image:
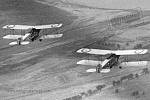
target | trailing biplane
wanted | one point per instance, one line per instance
(112, 60)
(33, 34)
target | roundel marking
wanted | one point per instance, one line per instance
(138, 51)
(10, 26)
(55, 25)
(85, 50)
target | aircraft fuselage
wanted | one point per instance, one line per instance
(34, 34)
(110, 61)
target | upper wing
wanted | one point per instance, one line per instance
(25, 27)
(130, 52)
(21, 27)
(94, 51)
(48, 26)
(13, 36)
(117, 52)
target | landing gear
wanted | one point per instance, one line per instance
(120, 67)
(19, 41)
(98, 68)
(32, 39)
(110, 67)
(40, 40)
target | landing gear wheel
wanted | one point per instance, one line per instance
(40, 40)
(32, 40)
(120, 67)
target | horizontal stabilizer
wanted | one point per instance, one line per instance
(89, 62)
(51, 36)
(117, 52)
(104, 70)
(13, 43)
(101, 71)
(25, 42)
(22, 43)
(134, 63)
(12, 36)
(91, 70)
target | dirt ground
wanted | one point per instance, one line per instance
(47, 70)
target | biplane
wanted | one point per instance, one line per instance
(111, 60)
(32, 35)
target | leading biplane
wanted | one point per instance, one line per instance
(112, 60)
(33, 34)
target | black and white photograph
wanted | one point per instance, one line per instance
(74, 49)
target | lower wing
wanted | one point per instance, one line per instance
(89, 62)
(51, 36)
(12, 36)
(133, 64)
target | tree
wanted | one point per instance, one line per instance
(90, 92)
(83, 93)
(136, 75)
(135, 93)
(114, 83)
(118, 46)
(143, 93)
(117, 91)
(99, 87)
(127, 44)
(130, 76)
(145, 70)
(138, 46)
